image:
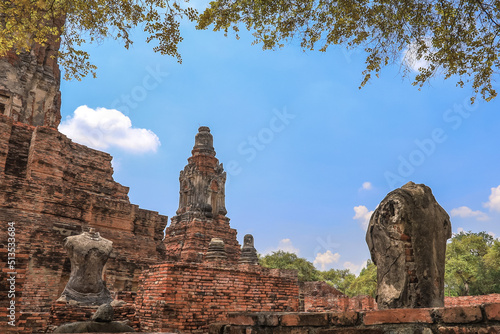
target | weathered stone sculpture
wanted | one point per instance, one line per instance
(101, 322)
(407, 240)
(216, 250)
(88, 253)
(248, 251)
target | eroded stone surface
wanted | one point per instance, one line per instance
(407, 240)
(248, 251)
(29, 86)
(88, 253)
(202, 181)
(101, 322)
(104, 313)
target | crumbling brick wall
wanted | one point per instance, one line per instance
(51, 188)
(318, 298)
(188, 297)
(471, 300)
(321, 297)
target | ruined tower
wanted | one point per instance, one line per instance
(29, 86)
(202, 212)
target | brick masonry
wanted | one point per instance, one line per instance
(484, 318)
(323, 302)
(51, 188)
(188, 297)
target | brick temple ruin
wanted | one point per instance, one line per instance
(189, 276)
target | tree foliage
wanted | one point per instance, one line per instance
(75, 22)
(456, 38)
(340, 279)
(472, 265)
(286, 260)
(365, 283)
(472, 268)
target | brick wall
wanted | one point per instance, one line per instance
(338, 303)
(323, 302)
(320, 297)
(471, 300)
(483, 318)
(188, 297)
(51, 188)
(187, 239)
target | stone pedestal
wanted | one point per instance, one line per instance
(63, 313)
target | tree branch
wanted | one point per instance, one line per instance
(487, 13)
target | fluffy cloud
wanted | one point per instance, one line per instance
(354, 268)
(362, 215)
(367, 185)
(460, 230)
(326, 259)
(286, 246)
(104, 128)
(494, 200)
(466, 212)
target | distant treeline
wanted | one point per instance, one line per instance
(472, 268)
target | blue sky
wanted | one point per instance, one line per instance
(308, 154)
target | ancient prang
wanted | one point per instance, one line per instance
(88, 253)
(407, 240)
(202, 211)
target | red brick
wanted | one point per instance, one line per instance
(397, 316)
(305, 319)
(240, 320)
(492, 311)
(290, 319)
(460, 315)
(348, 318)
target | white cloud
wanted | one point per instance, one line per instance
(326, 259)
(287, 246)
(494, 200)
(354, 268)
(411, 53)
(466, 212)
(492, 234)
(116, 164)
(362, 215)
(460, 230)
(103, 128)
(367, 185)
